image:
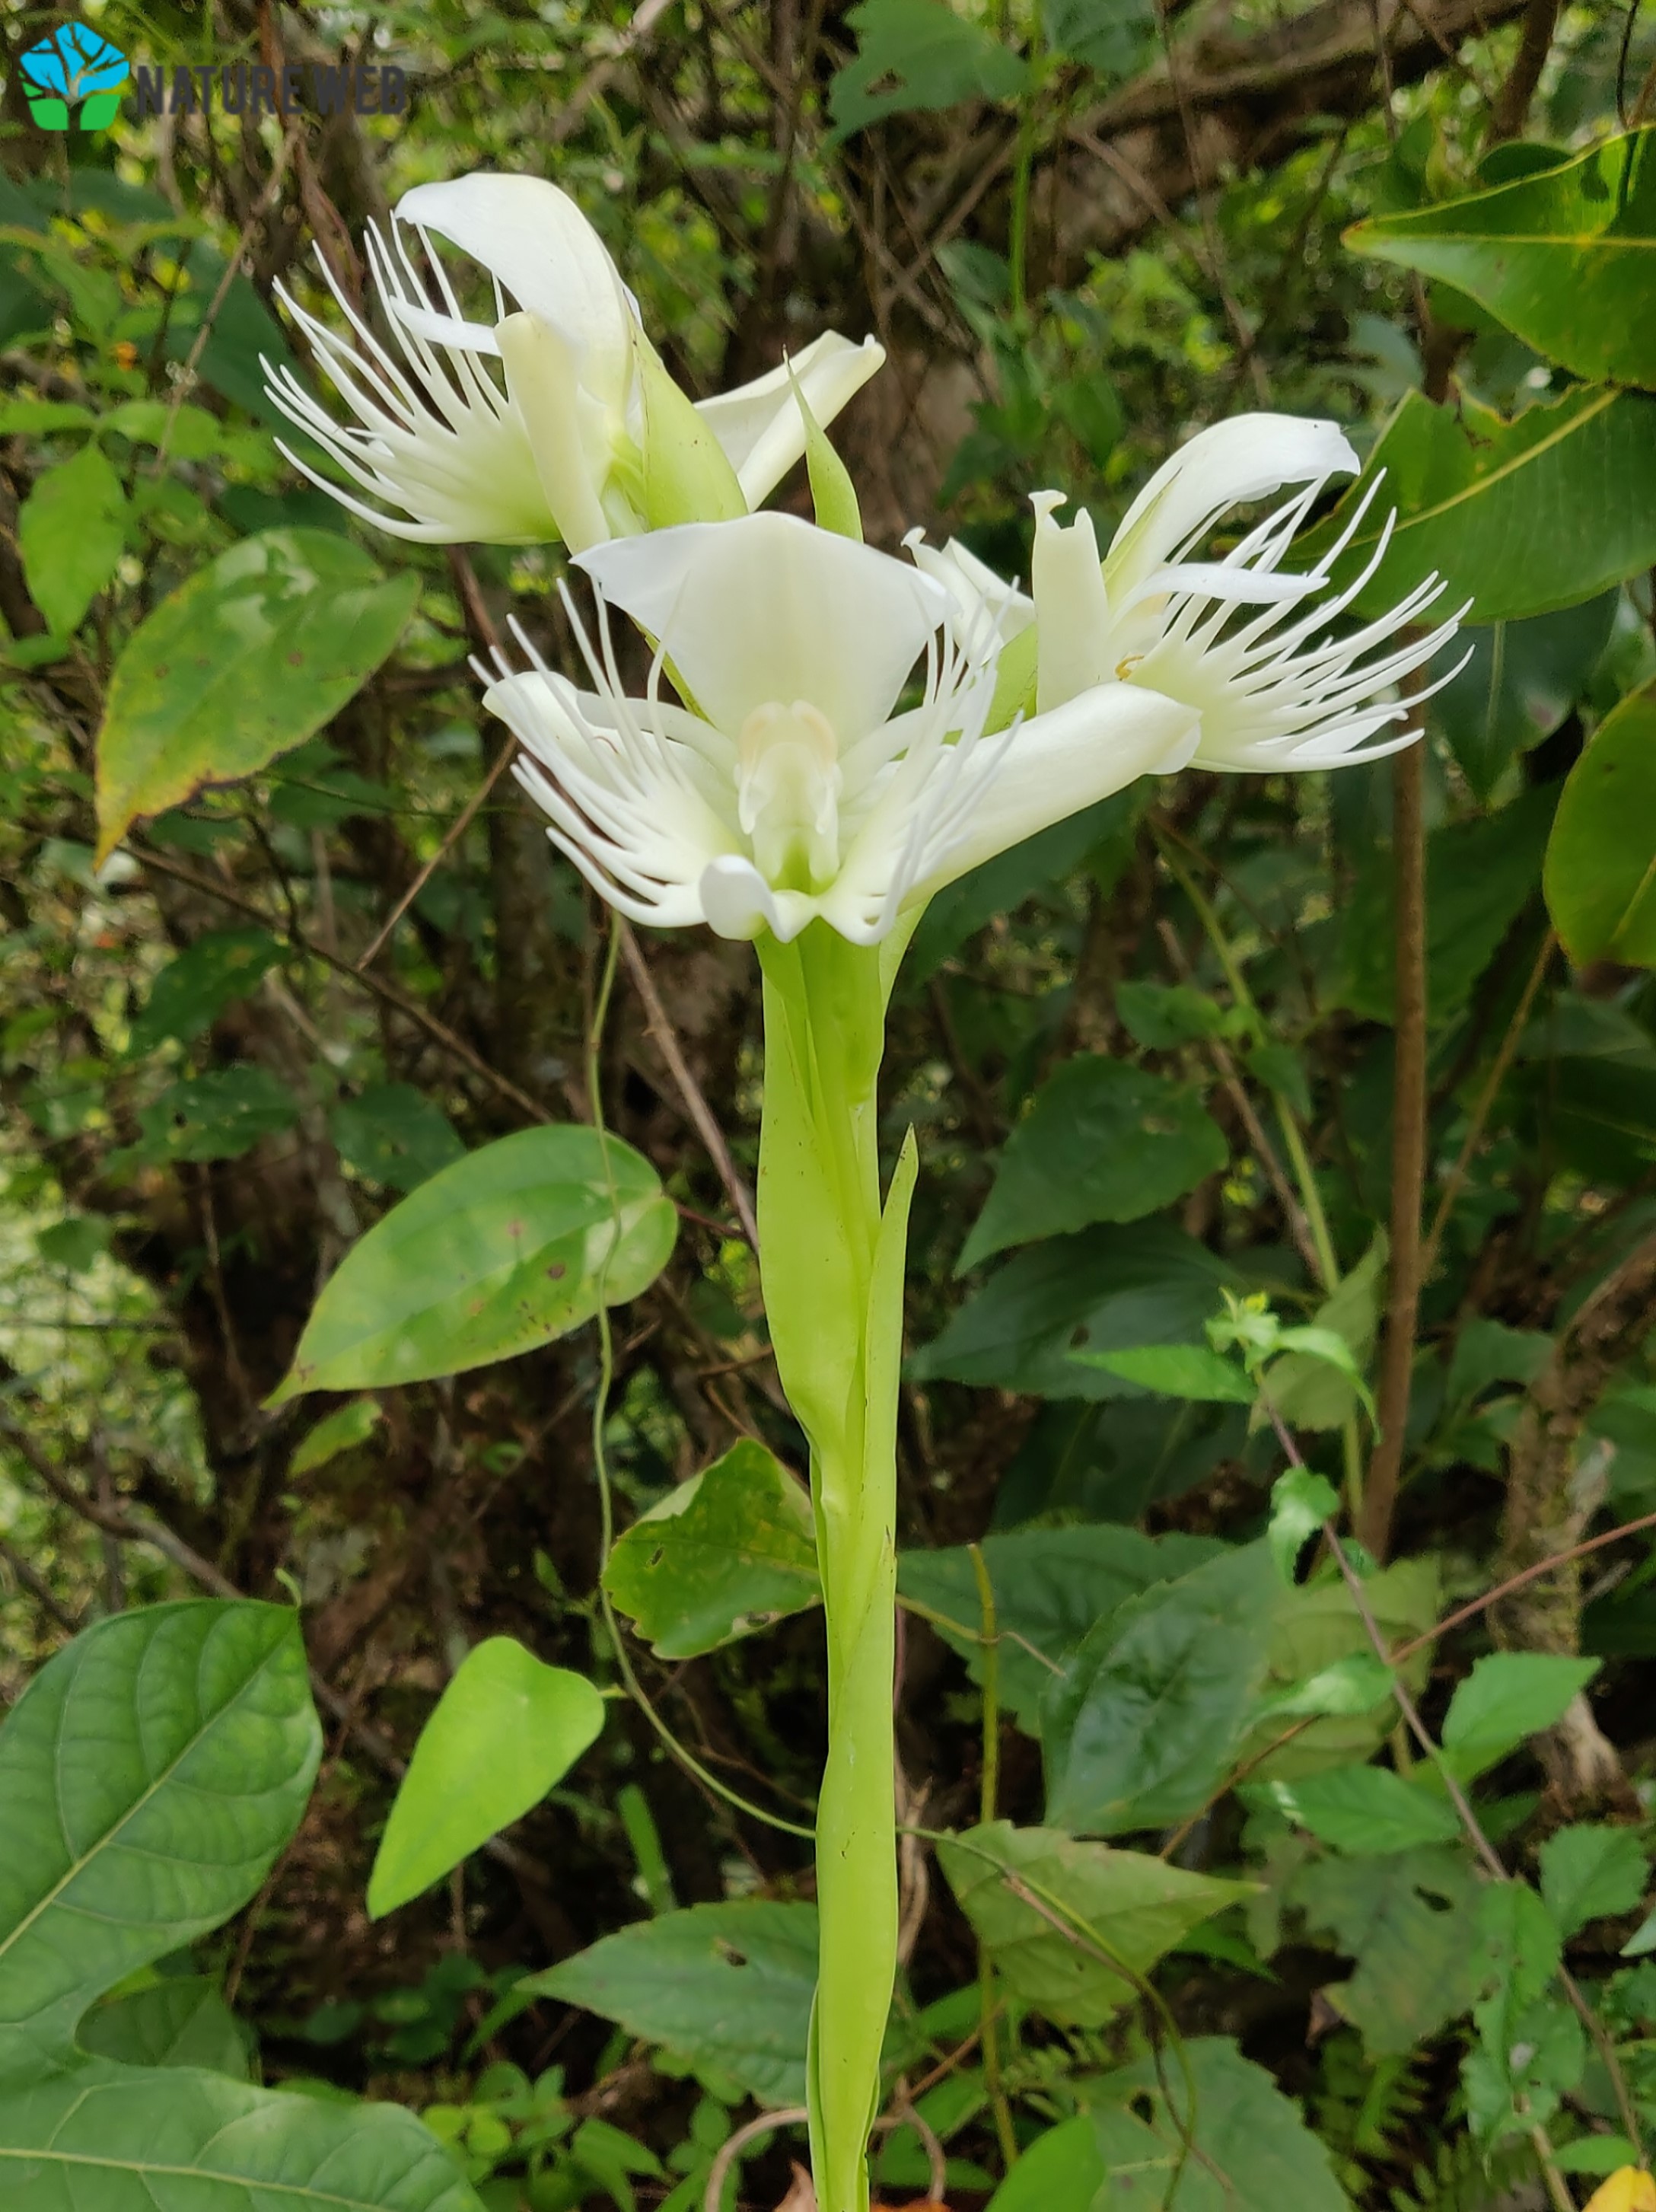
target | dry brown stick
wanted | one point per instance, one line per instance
(1408, 1147)
(451, 837)
(410, 1008)
(1486, 1097)
(1511, 107)
(39, 1588)
(1532, 1573)
(695, 1105)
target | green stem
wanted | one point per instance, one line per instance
(832, 1263)
(1017, 247)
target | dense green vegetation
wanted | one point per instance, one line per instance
(1277, 1443)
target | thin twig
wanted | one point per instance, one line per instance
(410, 1008)
(1530, 1574)
(695, 1105)
(451, 837)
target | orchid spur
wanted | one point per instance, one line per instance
(557, 420)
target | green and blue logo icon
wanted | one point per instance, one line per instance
(75, 67)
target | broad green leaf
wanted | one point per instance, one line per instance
(1566, 259)
(1176, 1371)
(1113, 37)
(1051, 1587)
(1316, 1630)
(183, 2021)
(1310, 1392)
(395, 1135)
(149, 1776)
(1252, 2151)
(243, 662)
(1600, 876)
(1522, 516)
(1103, 1141)
(505, 1729)
(1127, 1906)
(1595, 1113)
(339, 1432)
(216, 1116)
(77, 1242)
(1408, 1920)
(1366, 1809)
(1507, 1697)
(917, 54)
(70, 530)
(1589, 1873)
(512, 1246)
(1062, 2170)
(1530, 2048)
(1301, 1502)
(110, 2138)
(728, 1986)
(1520, 683)
(1160, 1015)
(1345, 1690)
(727, 1552)
(1140, 1729)
(1106, 1290)
(191, 993)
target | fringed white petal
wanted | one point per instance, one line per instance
(434, 434)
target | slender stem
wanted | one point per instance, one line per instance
(1018, 238)
(987, 1805)
(1408, 1147)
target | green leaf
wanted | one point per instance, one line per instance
(1316, 1631)
(341, 1430)
(507, 1249)
(1162, 1015)
(183, 2021)
(1366, 1809)
(505, 1729)
(216, 1116)
(1140, 1729)
(1252, 2151)
(149, 1776)
(1408, 1920)
(1600, 876)
(395, 1135)
(243, 662)
(1519, 683)
(76, 1242)
(1051, 1587)
(191, 993)
(1301, 1502)
(1480, 876)
(1507, 1697)
(727, 1552)
(1128, 1905)
(1591, 1873)
(1566, 260)
(1346, 1690)
(1062, 2170)
(1111, 36)
(1176, 1371)
(70, 531)
(727, 1986)
(1103, 1141)
(1105, 1290)
(1542, 511)
(109, 2138)
(917, 54)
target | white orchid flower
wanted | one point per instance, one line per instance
(1276, 689)
(796, 788)
(567, 436)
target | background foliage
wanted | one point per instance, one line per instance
(1369, 1057)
